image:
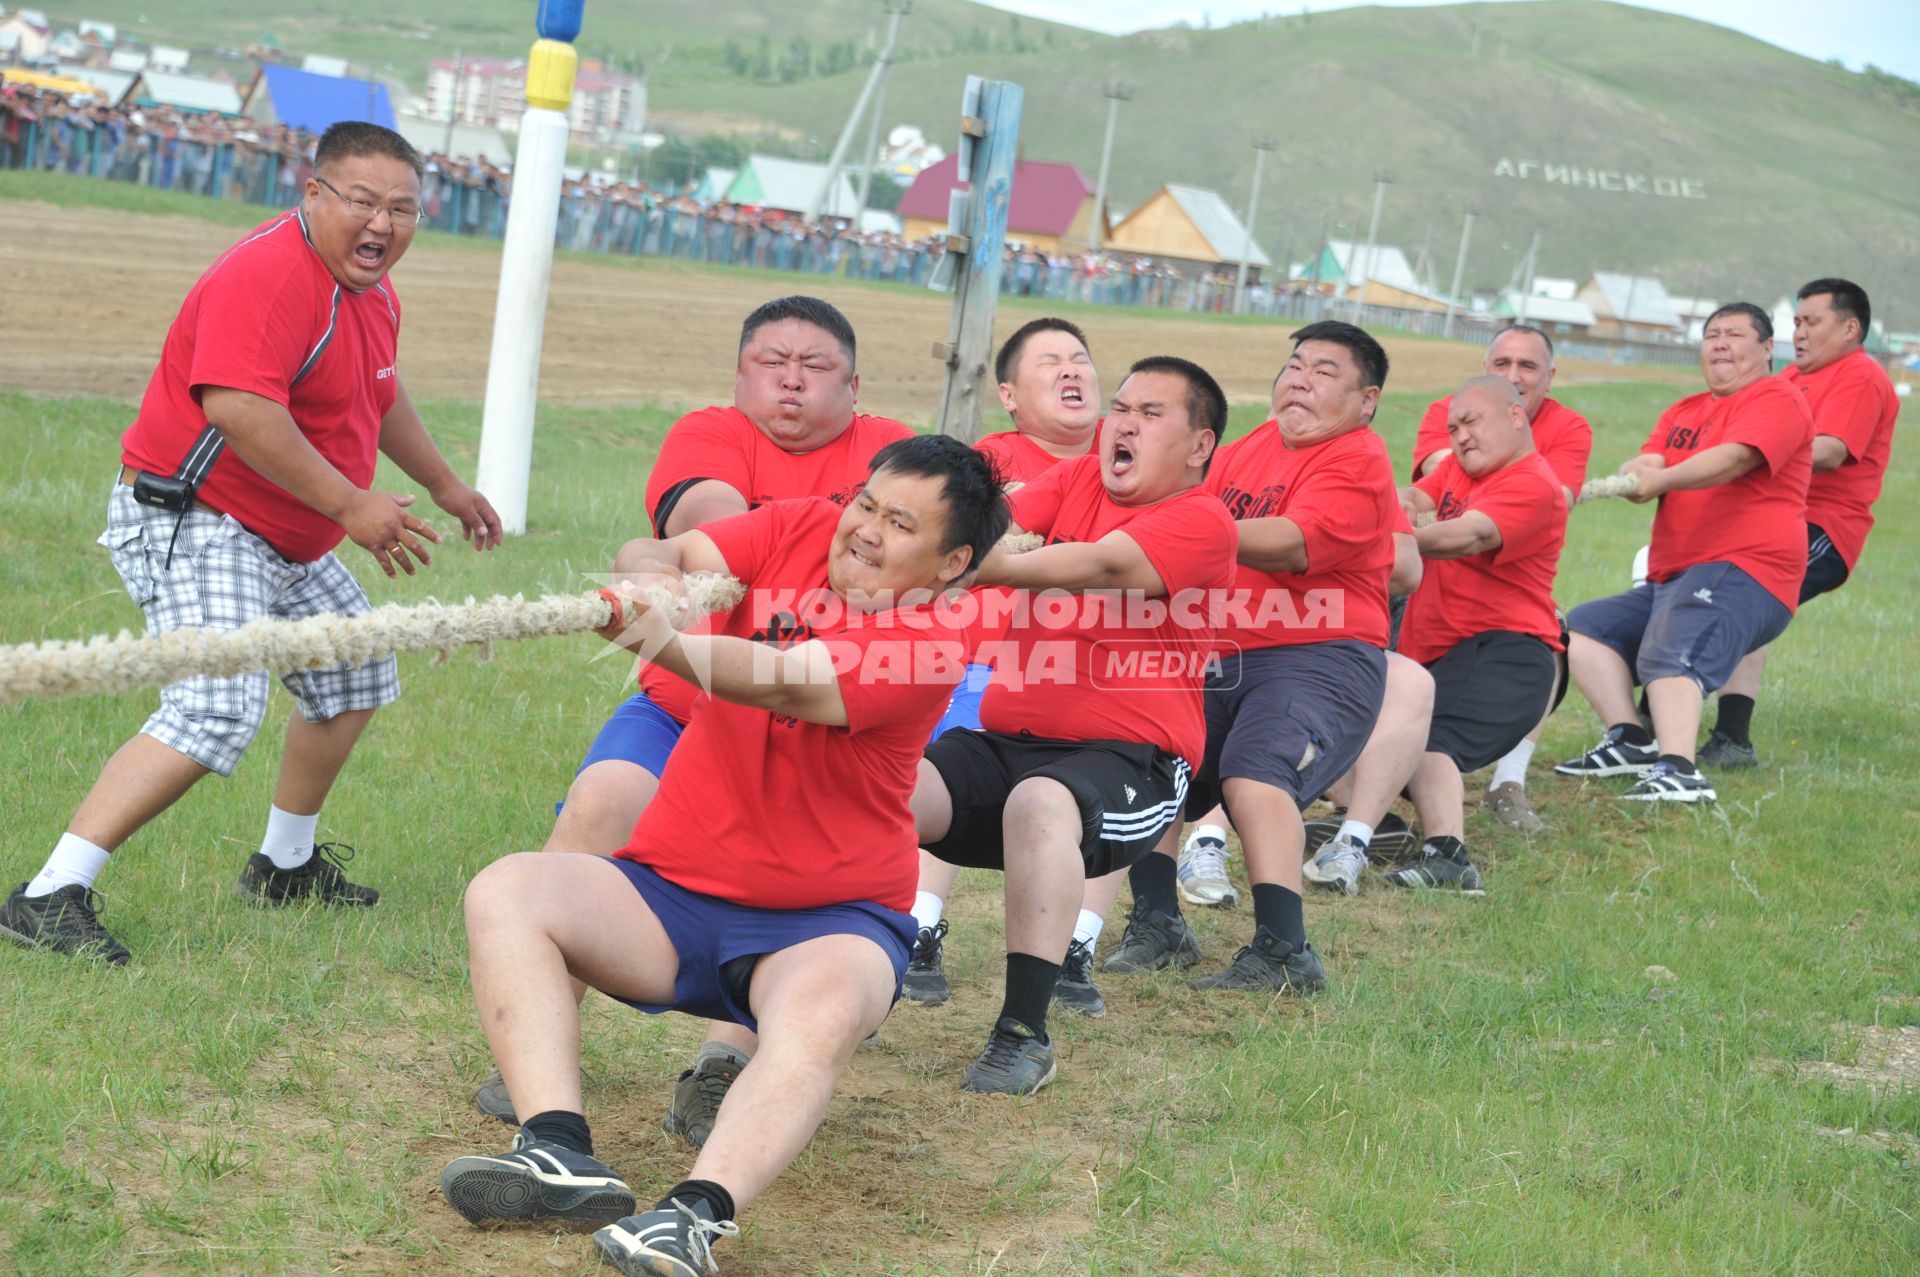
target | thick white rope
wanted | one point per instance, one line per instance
(101, 664)
(1613, 485)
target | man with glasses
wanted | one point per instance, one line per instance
(251, 458)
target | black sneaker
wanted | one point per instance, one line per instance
(1014, 1063)
(1665, 783)
(1393, 840)
(1270, 965)
(696, 1099)
(538, 1179)
(1613, 756)
(320, 879)
(670, 1241)
(492, 1099)
(1152, 941)
(1074, 990)
(1436, 869)
(926, 980)
(65, 921)
(1725, 751)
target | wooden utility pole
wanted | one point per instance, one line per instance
(976, 243)
(1380, 183)
(1261, 146)
(1116, 93)
(1459, 271)
(835, 162)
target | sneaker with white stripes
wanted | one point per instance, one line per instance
(1339, 865)
(668, 1241)
(537, 1179)
(1665, 783)
(1613, 756)
(1203, 874)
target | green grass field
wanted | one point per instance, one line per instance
(1495, 1086)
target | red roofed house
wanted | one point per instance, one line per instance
(1051, 209)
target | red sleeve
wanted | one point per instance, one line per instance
(244, 345)
(1402, 526)
(1521, 507)
(1431, 437)
(1338, 513)
(891, 674)
(747, 541)
(1036, 505)
(1429, 482)
(1188, 542)
(708, 444)
(1850, 412)
(1571, 451)
(1775, 422)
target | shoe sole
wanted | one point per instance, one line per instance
(1053, 1069)
(259, 901)
(1288, 987)
(1601, 773)
(1181, 958)
(89, 953)
(1692, 796)
(1092, 1010)
(926, 997)
(484, 1190)
(651, 1263)
(1438, 886)
(1226, 901)
(1525, 824)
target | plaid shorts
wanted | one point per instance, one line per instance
(222, 576)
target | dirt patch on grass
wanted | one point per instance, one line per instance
(1889, 1060)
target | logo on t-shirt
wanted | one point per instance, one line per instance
(1451, 507)
(1683, 438)
(783, 631)
(1242, 503)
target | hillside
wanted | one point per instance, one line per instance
(1742, 169)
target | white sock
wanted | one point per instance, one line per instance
(1362, 834)
(74, 861)
(1087, 929)
(1216, 832)
(1514, 766)
(927, 908)
(289, 840)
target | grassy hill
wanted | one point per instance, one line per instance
(1806, 168)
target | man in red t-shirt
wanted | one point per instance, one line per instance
(1092, 722)
(250, 460)
(1482, 624)
(767, 882)
(1523, 356)
(1730, 470)
(1853, 405)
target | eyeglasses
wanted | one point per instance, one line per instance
(364, 211)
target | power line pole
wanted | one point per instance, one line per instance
(1459, 270)
(1116, 93)
(453, 103)
(1526, 281)
(1261, 146)
(1380, 183)
(823, 200)
(896, 8)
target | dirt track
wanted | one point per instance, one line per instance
(90, 293)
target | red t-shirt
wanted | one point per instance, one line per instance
(1020, 461)
(1560, 434)
(1507, 588)
(766, 810)
(723, 444)
(1851, 399)
(1074, 667)
(270, 319)
(1758, 522)
(1341, 495)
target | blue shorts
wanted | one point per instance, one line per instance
(1295, 717)
(964, 709)
(1699, 625)
(719, 942)
(640, 732)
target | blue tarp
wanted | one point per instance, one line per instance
(303, 100)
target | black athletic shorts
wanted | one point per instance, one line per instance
(1128, 794)
(1826, 570)
(1488, 692)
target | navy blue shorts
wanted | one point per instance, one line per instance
(640, 732)
(1826, 570)
(1699, 625)
(719, 942)
(1294, 717)
(1489, 690)
(964, 709)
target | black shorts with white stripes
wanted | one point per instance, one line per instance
(1128, 794)
(1826, 569)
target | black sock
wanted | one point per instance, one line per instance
(1278, 910)
(557, 1126)
(701, 1196)
(1030, 982)
(1632, 734)
(1736, 718)
(1449, 846)
(1154, 880)
(1682, 765)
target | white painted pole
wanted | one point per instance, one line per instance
(1460, 262)
(1260, 148)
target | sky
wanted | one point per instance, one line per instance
(1883, 32)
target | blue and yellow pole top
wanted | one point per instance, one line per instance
(552, 64)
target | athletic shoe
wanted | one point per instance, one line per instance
(65, 921)
(1074, 990)
(1665, 783)
(1152, 941)
(668, 1241)
(538, 1179)
(696, 1098)
(1393, 839)
(1725, 751)
(1338, 866)
(1435, 869)
(926, 980)
(261, 883)
(1203, 875)
(1270, 965)
(493, 1101)
(1508, 803)
(1613, 756)
(1014, 1063)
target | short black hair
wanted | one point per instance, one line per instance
(1359, 343)
(823, 315)
(1527, 328)
(1849, 300)
(1762, 324)
(1206, 402)
(1007, 362)
(358, 139)
(977, 510)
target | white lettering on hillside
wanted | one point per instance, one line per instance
(1601, 179)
